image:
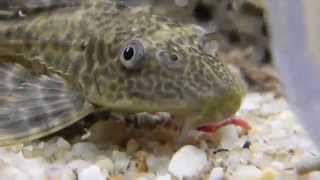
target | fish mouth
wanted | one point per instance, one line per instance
(199, 110)
(218, 108)
(180, 109)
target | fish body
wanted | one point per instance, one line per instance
(61, 65)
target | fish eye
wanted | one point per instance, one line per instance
(128, 53)
(132, 55)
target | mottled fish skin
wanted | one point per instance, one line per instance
(84, 44)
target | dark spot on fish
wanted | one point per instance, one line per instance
(102, 52)
(130, 84)
(87, 79)
(113, 86)
(90, 50)
(43, 44)
(83, 45)
(162, 19)
(17, 31)
(28, 44)
(28, 40)
(75, 66)
(137, 94)
(121, 79)
(8, 34)
(120, 95)
(142, 30)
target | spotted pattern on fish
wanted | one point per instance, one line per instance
(74, 54)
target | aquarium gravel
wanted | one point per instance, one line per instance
(267, 152)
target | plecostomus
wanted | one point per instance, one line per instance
(58, 66)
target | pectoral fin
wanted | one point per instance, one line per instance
(36, 105)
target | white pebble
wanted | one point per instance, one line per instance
(251, 101)
(28, 148)
(11, 173)
(164, 177)
(158, 164)
(277, 165)
(53, 172)
(290, 175)
(91, 172)
(63, 144)
(275, 106)
(247, 172)
(41, 145)
(229, 137)
(68, 174)
(34, 167)
(78, 165)
(50, 149)
(59, 172)
(144, 177)
(188, 161)
(313, 175)
(270, 174)
(121, 160)
(216, 174)
(85, 151)
(106, 165)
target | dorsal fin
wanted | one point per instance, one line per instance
(19, 9)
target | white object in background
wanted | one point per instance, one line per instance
(295, 28)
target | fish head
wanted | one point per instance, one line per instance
(159, 66)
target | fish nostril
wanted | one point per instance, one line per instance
(174, 57)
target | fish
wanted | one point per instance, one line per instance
(58, 66)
